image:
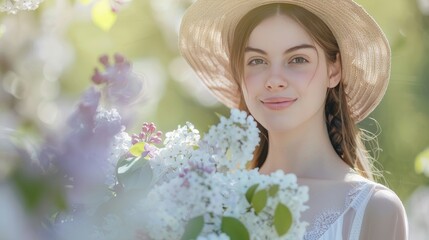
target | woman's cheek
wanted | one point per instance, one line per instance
(251, 85)
(254, 76)
(300, 77)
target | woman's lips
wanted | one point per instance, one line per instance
(278, 103)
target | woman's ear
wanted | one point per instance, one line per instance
(334, 71)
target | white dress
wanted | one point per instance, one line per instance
(345, 223)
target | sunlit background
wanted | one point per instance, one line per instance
(47, 57)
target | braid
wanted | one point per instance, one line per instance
(345, 137)
(337, 122)
(334, 124)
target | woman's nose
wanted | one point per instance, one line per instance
(276, 80)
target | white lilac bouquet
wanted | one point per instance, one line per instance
(190, 187)
(201, 188)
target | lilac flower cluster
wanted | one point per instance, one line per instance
(194, 182)
(208, 180)
(85, 156)
(147, 138)
(148, 134)
(122, 85)
(205, 181)
(82, 151)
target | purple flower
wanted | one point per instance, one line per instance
(122, 85)
(107, 123)
(149, 150)
(81, 154)
(83, 117)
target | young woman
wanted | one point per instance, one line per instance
(307, 71)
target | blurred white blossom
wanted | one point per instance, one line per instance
(13, 6)
(423, 6)
(418, 213)
(36, 56)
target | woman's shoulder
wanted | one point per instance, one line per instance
(385, 216)
(384, 203)
(382, 200)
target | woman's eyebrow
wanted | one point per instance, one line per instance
(299, 47)
(252, 49)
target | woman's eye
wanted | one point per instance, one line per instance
(256, 61)
(299, 60)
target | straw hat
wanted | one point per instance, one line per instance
(208, 27)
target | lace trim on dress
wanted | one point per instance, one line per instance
(326, 219)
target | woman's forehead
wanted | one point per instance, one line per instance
(279, 31)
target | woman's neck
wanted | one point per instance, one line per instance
(306, 151)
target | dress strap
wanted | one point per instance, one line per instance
(360, 205)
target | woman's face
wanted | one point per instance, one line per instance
(286, 75)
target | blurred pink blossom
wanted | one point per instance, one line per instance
(148, 134)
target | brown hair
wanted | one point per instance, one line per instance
(345, 137)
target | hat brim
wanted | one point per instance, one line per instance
(208, 26)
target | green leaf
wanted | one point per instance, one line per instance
(250, 192)
(421, 163)
(259, 200)
(60, 200)
(193, 228)
(130, 164)
(137, 149)
(234, 229)
(103, 15)
(33, 190)
(273, 190)
(282, 219)
(134, 173)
